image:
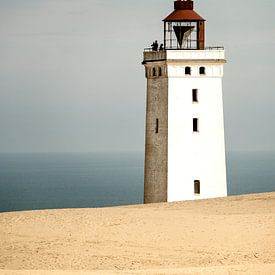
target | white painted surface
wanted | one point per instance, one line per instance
(195, 156)
(195, 54)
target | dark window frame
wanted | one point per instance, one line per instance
(154, 72)
(195, 97)
(160, 71)
(197, 187)
(195, 125)
(157, 126)
(202, 71)
(187, 70)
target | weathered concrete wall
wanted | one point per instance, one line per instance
(153, 56)
(155, 181)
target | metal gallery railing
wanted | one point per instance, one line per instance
(216, 48)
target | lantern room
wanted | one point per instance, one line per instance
(184, 28)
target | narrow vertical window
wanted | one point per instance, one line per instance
(188, 70)
(202, 70)
(157, 126)
(160, 71)
(154, 72)
(195, 95)
(197, 187)
(195, 124)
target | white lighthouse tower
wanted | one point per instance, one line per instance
(185, 150)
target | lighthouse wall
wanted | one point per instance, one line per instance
(156, 156)
(200, 155)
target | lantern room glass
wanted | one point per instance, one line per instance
(181, 35)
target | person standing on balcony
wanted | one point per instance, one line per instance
(155, 46)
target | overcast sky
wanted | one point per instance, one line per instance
(71, 78)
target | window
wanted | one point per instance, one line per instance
(197, 187)
(154, 72)
(188, 70)
(195, 95)
(159, 71)
(157, 126)
(195, 124)
(202, 70)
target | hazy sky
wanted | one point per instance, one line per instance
(71, 77)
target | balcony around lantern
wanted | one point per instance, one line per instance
(209, 53)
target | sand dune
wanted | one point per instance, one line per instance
(220, 236)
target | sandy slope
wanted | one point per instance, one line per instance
(220, 236)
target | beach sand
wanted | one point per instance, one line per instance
(234, 235)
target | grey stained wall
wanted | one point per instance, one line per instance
(156, 145)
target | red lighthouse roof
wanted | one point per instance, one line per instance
(184, 11)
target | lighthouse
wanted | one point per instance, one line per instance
(184, 143)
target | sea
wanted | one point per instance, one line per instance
(35, 181)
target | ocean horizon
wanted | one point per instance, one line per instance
(36, 181)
